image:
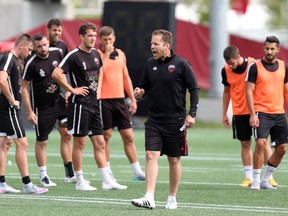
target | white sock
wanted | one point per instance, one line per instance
(256, 175)
(268, 172)
(109, 167)
(136, 169)
(248, 172)
(79, 176)
(149, 196)
(43, 171)
(105, 175)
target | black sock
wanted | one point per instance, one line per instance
(268, 163)
(69, 172)
(2, 179)
(26, 179)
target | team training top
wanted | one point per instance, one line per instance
(61, 45)
(235, 79)
(44, 91)
(83, 69)
(112, 84)
(269, 90)
(166, 83)
(9, 63)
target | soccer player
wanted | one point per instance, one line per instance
(46, 106)
(266, 91)
(165, 79)
(84, 67)
(54, 31)
(11, 124)
(116, 81)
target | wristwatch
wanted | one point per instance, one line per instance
(193, 114)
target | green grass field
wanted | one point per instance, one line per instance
(211, 175)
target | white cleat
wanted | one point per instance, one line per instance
(113, 186)
(33, 189)
(144, 202)
(5, 188)
(46, 182)
(84, 186)
(267, 185)
(139, 177)
(255, 185)
(171, 203)
(70, 179)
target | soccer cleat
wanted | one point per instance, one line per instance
(140, 177)
(84, 186)
(33, 189)
(246, 182)
(68, 179)
(144, 202)
(171, 203)
(255, 185)
(113, 186)
(266, 185)
(73, 180)
(273, 182)
(46, 182)
(5, 188)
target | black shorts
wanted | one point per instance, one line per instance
(47, 118)
(84, 120)
(166, 138)
(11, 124)
(115, 112)
(273, 124)
(241, 127)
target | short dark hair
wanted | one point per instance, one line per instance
(38, 37)
(24, 38)
(106, 30)
(230, 52)
(52, 22)
(166, 36)
(272, 39)
(85, 26)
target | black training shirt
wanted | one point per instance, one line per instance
(166, 83)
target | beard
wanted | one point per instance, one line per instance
(270, 57)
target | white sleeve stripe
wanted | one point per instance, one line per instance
(10, 55)
(248, 70)
(67, 56)
(27, 65)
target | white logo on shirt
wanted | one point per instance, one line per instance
(154, 68)
(42, 73)
(84, 65)
(93, 86)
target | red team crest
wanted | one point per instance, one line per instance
(55, 63)
(171, 68)
(96, 61)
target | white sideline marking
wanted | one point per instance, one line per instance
(263, 209)
(142, 156)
